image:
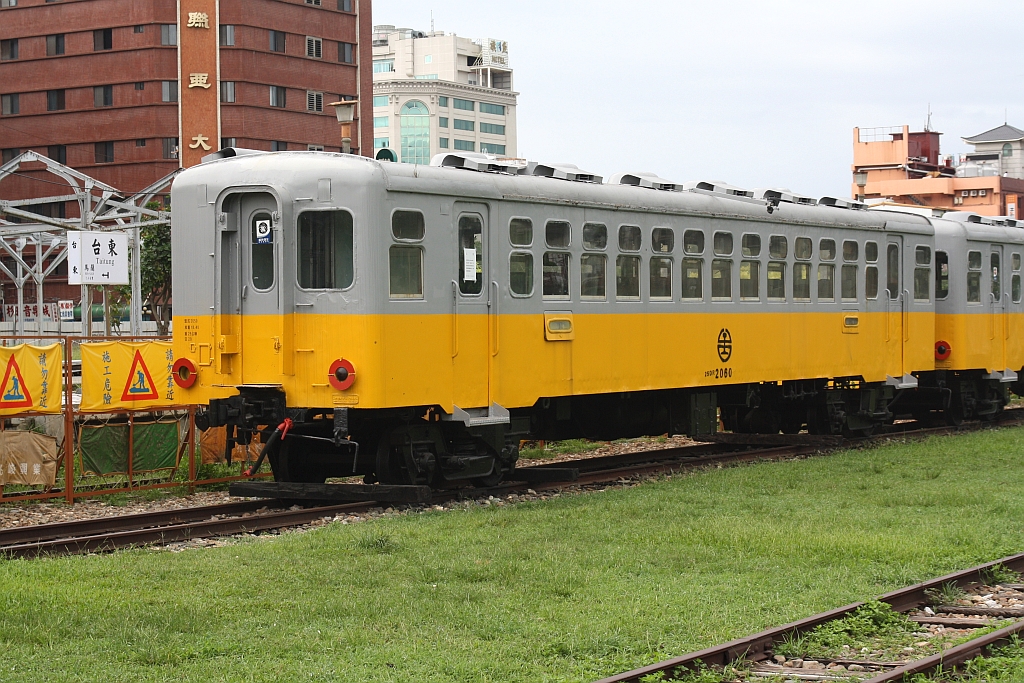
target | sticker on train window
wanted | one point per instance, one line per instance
(264, 235)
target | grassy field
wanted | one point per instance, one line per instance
(565, 590)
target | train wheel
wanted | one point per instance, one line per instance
(394, 466)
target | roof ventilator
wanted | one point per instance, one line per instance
(783, 197)
(472, 161)
(562, 172)
(840, 203)
(717, 187)
(648, 180)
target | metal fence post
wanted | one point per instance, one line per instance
(69, 425)
(191, 449)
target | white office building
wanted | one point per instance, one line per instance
(437, 92)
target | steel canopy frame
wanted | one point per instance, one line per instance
(101, 207)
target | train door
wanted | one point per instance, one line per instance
(896, 304)
(259, 239)
(997, 317)
(471, 307)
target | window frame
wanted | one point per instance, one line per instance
(547, 244)
(568, 276)
(639, 232)
(636, 258)
(423, 285)
(703, 242)
(317, 45)
(533, 273)
(406, 240)
(603, 257)
(938, 274)
(660, 256)
(509, 232)
(691, 259)
(654, 241)
(355, 261)
(976, 272)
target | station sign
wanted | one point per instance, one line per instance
(67, 310)
(97, 258)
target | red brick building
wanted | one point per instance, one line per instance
(95, 83)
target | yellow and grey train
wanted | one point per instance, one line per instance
(412, 324)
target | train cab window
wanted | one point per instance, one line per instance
(871, 252)
(922, 273)
(892, 271)
(801, 281)
(661, 278)
(593, 275)
(693, 279)
(520, 232)
(663, 240)
(750, 246)
(627, 277)
(827, 280)
(520, 273)
(750, 276)
(693, 242)
(557, 234)
(871, 281)
(555, 267)
(941, 275)
(848, 282)
(827, 250)
(777, 280)
(721, 276)
(804, 248)
(325, 250)
(850, 251)
(262, 252)
(471, 254)
(595, 236)
(629, 238)
(405, 267)
(1014, 279)
(997, 280)
(974, 277)
(723, 245)
(778, 247)
(407, 226)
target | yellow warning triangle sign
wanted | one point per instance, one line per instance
(140, 386)
(13, 391)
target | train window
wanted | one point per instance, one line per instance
(262, 252)
(974, 277)
(892, 271)
(721, 276)
(750, 246)
(693, 242)
(827, 281)
(923, 256)
(593, 275)
(922, 273)
(693, 278)
(520, 232)
(941, 275)
(520, 273)
(1015, 287)
(849, 251)
(1016, 261)
(627, 277)
(778, 247)
(557, 234)
(871, 252)
(777, 280)
(803, 248)
(629, 238)
(997, 283)
(556, 274)
(325, 250)
(405, 264)
(663, 240)
(750, 273)
(595, 236)
(661, 277)
(407, 225)
(802, 281)
(471, 254)
(723, 244)
(827, 250)
(849, 282)
(870, 278)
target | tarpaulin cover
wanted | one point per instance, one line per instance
(104, 448)
(32, 379)
(27, 458)
(212, 442)
(126, 376)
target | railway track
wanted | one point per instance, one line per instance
(752, 658)
(160, 528)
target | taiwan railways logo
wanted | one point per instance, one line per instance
(724, 345)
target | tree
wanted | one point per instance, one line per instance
(156, 271)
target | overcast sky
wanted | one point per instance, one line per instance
(757, 94)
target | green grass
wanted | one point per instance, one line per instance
(568, 447)
(1005, 665)
(570, 589)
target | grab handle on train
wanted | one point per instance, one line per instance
(494, 314)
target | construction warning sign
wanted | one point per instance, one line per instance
(127, 376)
(32, 379)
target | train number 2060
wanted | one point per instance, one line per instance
(719, 373)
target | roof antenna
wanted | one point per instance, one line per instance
(431, 21)
(928, 123)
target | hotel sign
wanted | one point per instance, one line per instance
(198, 79)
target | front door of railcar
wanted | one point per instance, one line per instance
(997, 298)
(896, 304)
(470, 298)
(260, 242)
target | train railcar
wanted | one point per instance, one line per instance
(413, 323)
